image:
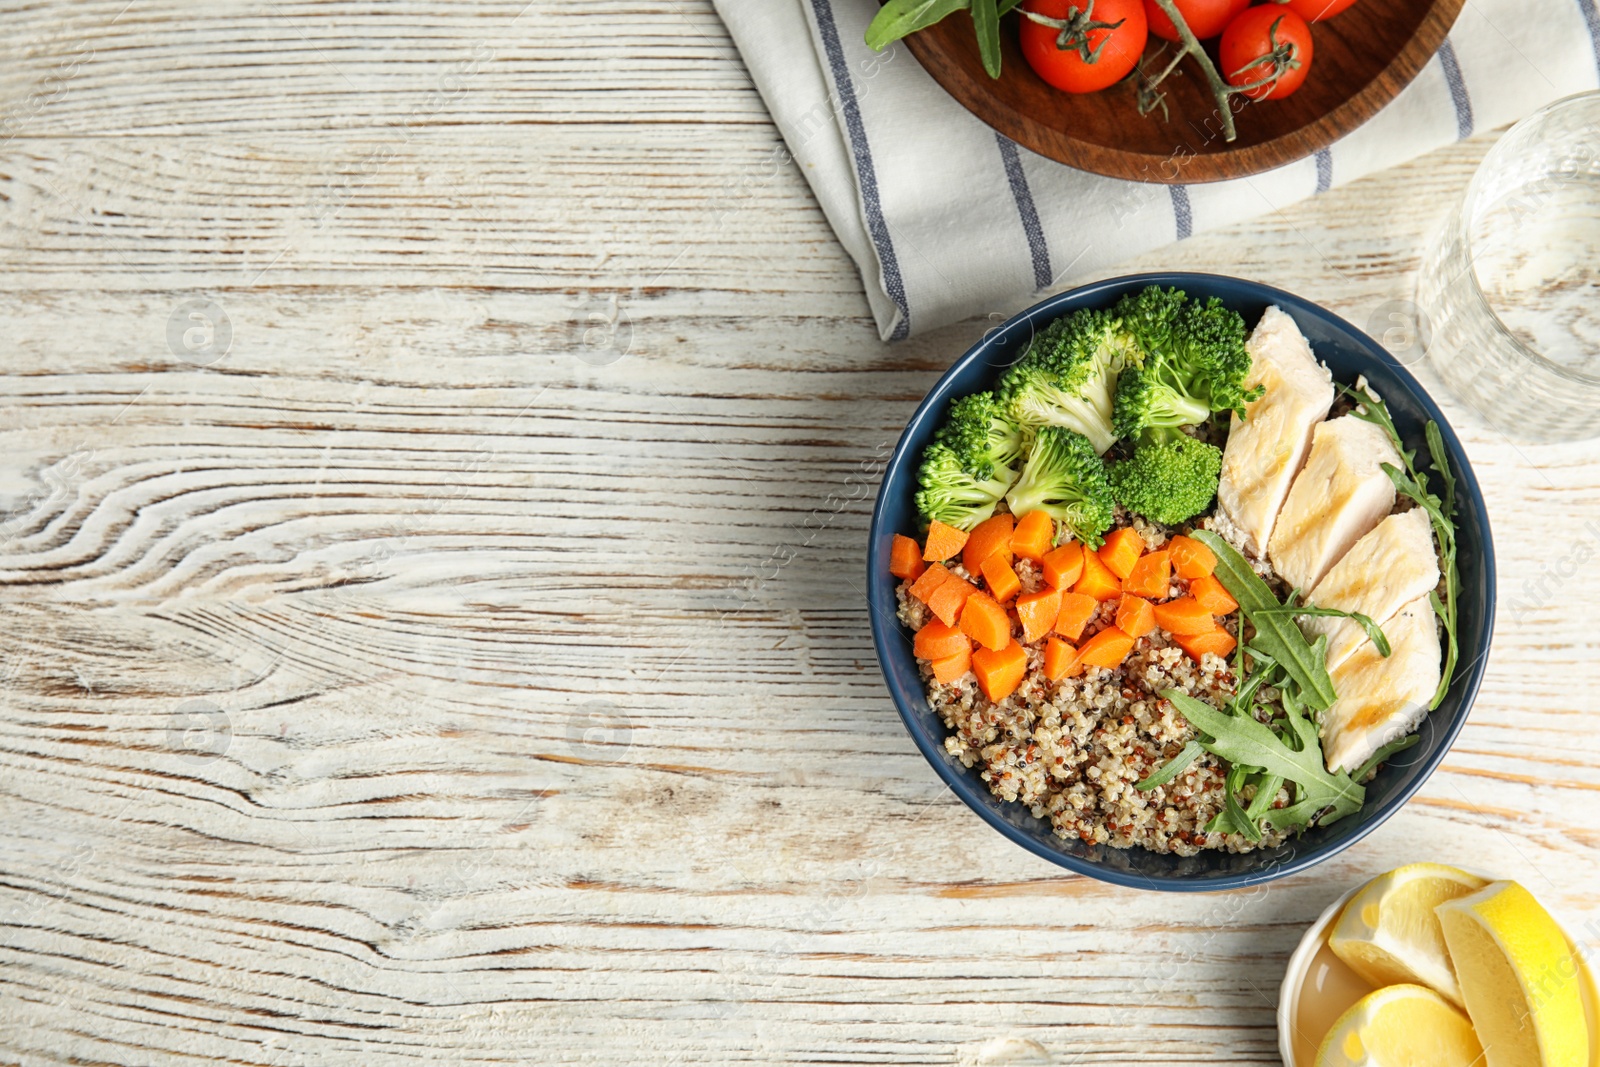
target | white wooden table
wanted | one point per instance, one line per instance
(437, 450)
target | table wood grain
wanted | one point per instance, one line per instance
(466, 662)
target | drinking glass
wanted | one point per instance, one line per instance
(1511, 285)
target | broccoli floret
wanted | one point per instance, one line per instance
(951, 495)
(1169, 480)
(1064, 477)
(1068, 376)
(985, 440)
(1195, 362)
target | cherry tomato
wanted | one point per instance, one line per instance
(1317, 10)
(1259, 32)
(1206, 18)
(1115, 51)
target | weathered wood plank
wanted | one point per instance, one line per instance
(467, 663)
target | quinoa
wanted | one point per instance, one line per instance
(1071, 751)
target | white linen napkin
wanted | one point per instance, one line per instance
(947, 218)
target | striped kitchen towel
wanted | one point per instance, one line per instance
(908, 177)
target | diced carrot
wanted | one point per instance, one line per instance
(943, 542)
(952, 667)
(1122, 550)
(1135, 616)
(986, 622)
(1038, 612)
(1003, 581)
(1097, 580)
(1190, 558)
(905, 558)
(1212, 596)
(999, 671)
(1035, 533)
(1150, 576)
(989, 537)
(1060, 660)
(947, 600)
(937, 641)
(1076, 610)
(931, 579)
(1219, 641)
(1107, 649)
(1184, 616)
(1064, 565)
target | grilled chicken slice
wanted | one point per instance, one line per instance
(1266, 449)
(1387, 569)
(1381, 699)
(1337, 498)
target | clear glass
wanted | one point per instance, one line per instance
(1511, 286)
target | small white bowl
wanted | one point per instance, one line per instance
(1299, 1049)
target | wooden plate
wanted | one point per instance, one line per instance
(1362, 58)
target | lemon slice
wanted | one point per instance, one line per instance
(1401, 1026)
(1389, 935)
(1519, 976)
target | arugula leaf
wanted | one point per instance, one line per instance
(1005, 6)
(1397, 745)
(1266, 792)
(1276, 635)
(986, 21)
(1240, 739)
(897, 18)
(1233, 819)
(1374, 632)
(1173, 767)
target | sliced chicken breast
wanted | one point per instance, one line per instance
(1266, 449)
(1387, 569)
(1381, 699)
(1337, 498)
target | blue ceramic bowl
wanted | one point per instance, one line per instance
(1348, 352)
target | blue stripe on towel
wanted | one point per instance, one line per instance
(1324, 170)
(1026, 210)
(1458, 88)
(1182, 216)
(877, 226)
(1591, 19)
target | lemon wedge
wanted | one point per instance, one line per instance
(1401, 1026)
(1389, 934)
(1519, 976)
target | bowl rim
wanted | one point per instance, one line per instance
(970, 790)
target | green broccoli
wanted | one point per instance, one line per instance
(1195, 362)
(1068, 376)
(1064, 478)
(1168, 480)
(951, 495)
(986, 441)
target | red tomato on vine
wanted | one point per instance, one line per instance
(1268, 47)
(1206, 18)
(1087, 44)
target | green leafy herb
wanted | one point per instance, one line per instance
(1233, 819)
(1413, 483)
(986, 21)
(1374, 632)
(1276, 634)
(1241, 739)
(1173, 767)
(897, 18)
(1266, 792)
(1398, 745)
